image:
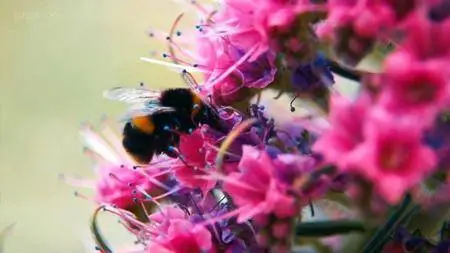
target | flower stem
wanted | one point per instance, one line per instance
(344, 72)
(328, 228)
(385, 230)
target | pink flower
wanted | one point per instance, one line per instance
(367, 18)
(426, 39)
(413, 87)
(346, 132)
(353, 26)
(117, 183)
(164, 217)
(199, 151)
(184, 237)
(392, 156)
(175, 234)
(198, 159)
(290, 167)
(255, 189)
(229, 70)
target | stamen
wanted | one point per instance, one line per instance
(144, 208)
(225, 153)
(216, 176)
(230, 138)
(189, 80)
(233, 67)
(77, 182)
(292, 108)
(84, 197)
(172, 30)
(249, 214)
(228, 215)
(154, 180)
(172, 65)
(177, 60)
(199, 7)
(113, 138)
(95, 143)
(217, 204)
(174, 190)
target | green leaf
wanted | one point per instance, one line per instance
(99, 241)
(328, 228)
(5, 233)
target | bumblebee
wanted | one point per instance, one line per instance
(156, 119)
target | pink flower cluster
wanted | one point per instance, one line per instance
(380, 135)
(244, 182)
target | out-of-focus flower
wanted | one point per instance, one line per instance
(347, 120)
(392, 157)
(413, 88)
(438, 138)
(311, 76)
(403, 242)
(354, 25)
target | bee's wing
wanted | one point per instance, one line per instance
(132, 95)
(144, 110)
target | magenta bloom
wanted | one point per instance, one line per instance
(426, 39)
(199, 157)
(255, 190)
(347, 119)
(229, 70)
(118, 183)
(393, 156)
(175, 234)
(184, 237)
(413, 87)
(354, 26)
(164, 217)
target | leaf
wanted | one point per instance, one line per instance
(5, 233)
(328, 228)
(99, 241)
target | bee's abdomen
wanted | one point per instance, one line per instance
(144, 124)
(138, 144)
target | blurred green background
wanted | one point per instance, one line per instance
(56, 58)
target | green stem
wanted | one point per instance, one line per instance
(384, 231)
(100, 242)
(327, 228)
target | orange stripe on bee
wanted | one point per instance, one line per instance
(144, 123)
(196, 100)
